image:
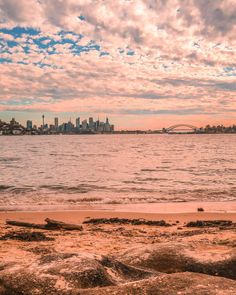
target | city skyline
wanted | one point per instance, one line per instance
(80, 126)
(119, 60)
(140, 123)
(91, 126)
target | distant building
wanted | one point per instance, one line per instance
(56, 123)
(17, 131)
(29, 125)
(101, 127)
(13, 122)
(62, 127)
(69, 127)
(84, 125)
(43, 126)
(97, 123)
(91, 124)
(77, 123)
(107, 126)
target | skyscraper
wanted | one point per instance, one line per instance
(84, 125)
(69, 127)
(29, 124)
(56, 123)
(97, 123)
(91, 124)
(77, 123)
(107, 126)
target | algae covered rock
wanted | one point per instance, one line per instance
(171, 284)
(172, 258)
(62, 273)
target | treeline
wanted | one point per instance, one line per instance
(219, 129)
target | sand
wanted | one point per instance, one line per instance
(102, 239)
(79, 216)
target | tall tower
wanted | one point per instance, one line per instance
(43, 120)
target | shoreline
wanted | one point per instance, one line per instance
(227, 207)
(80, 216)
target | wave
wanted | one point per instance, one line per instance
(82, 188)
(9, 159)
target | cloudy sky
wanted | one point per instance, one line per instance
(144, 63)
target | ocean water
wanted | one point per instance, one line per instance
(74, 170)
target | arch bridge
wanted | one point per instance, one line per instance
(182, 128)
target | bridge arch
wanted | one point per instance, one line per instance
(182, 127)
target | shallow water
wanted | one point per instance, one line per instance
(109, 169)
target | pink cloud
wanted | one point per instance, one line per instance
(184, 58)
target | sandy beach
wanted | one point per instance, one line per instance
(78, 216)
(152, 251)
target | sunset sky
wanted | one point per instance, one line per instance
(143, 63)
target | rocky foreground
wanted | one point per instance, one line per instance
(118, 256)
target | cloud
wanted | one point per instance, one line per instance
(219, 17)
(177, 112)
(142, 57)
(227, 86)
(20, 11)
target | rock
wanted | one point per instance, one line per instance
(55, 224)
(171, 284)
(50, 225)
(126, 272)
(126, 221)
(61, 273)
(137, 273)
(26, 236)
(210, 223)
(200, 209)
(172, 258)
(27, 283)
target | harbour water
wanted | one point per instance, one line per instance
(76, 170)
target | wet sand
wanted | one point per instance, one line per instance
(80, 215)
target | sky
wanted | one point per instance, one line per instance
(145, 64)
